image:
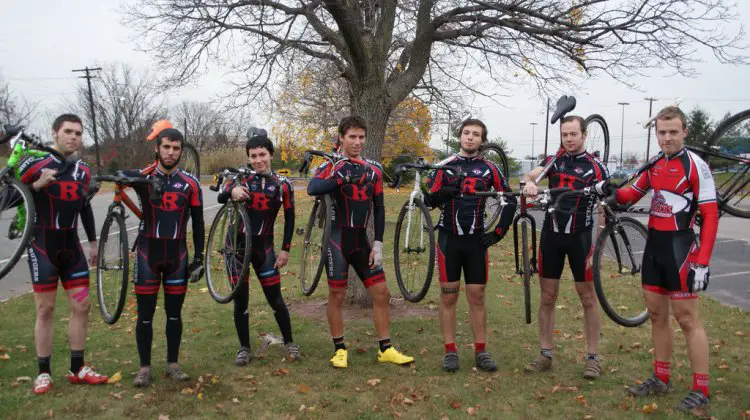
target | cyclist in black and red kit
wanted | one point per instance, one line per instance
(356, 186)
(462, 242)
(162, 256)
(55, 252)
(675, 262)
(568, 235)
(263, 201)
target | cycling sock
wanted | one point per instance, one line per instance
(661, 370)
(480, 347)
(700, 383)
(592, 356)
(280, 311)
(144, 331)
(241, 317)
(76, 360)
(173, 307)
(44, 364)
(451, 348)
(338, 343)
(385, 344)
(547, 353)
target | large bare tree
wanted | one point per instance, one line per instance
(15, 109)
(387, 49)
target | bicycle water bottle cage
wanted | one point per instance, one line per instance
(564, 105)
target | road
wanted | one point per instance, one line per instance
(730, 265)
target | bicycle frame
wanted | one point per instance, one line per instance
(523, 214)
(415, 193)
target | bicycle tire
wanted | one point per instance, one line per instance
(492, 207)
(713, 141)
(592, 145)
(320, 219)
(8, 185)
(427, 228)
(526, 270)
(227, 218)
(611, 310)
(190, 161)
(111, 315)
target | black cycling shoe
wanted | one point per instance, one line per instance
(484, 362)
(694, 399)
(450, 362)
(651, 386)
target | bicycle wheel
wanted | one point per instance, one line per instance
(617, 271)
(17, 216)
(317, 233)
(227, 251)
(597, 137)
(732, 178)
(414, 250)
(112, 267)
(526, 258)
(190, 161)
(492, 208)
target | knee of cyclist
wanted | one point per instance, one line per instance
(588, 300)
(381, 295)
(549, 298)
(475, 298)
(81, 307)
(45, 311)
(277, 303)
(688, 320)
(336, 296)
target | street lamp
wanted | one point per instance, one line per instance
(533, 126)
(622, 129)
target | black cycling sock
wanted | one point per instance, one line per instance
(144, 331)
(241, 317)
(44, 364)
(338, 343)
(385, 344)
(280, 311)
(76, 360)
(173, 307)
(547, 353)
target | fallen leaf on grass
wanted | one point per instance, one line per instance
(471, 411)
(281, 372)
(613, 370)
(163, 416)
(138, 396)
(455, 405)
(235, 400)
(23, 379)
(4, 356)
(3, 349)
(196, 330)
(580, 399)
(361, 350)
(746, 414)
(116, 395)
(187, 391)
(117, 377)
(203, 290)
(740, 334)
(561, 307)
(303, 389)
(423, 351)
(200, 395)
(649, 408)
(407, 401)
(636, 345)
(22, 348)
(373, 382)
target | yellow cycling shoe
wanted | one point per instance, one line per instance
(339, 359)
(391, 355)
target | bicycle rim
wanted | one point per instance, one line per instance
(732, 178)
(597, 137)
(414, 251)
(190, 161)
(227, 252)
(492, 208)
(315, 239)
(17, 216)
(112, 268)
(617, 272)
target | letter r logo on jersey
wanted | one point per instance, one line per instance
(260, 202)
(359, 192)
(68, 190)
(566, 181)
(169, 201)
(470, 185)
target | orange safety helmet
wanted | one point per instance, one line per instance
(157, 128)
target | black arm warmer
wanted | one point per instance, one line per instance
(378, 210)
(319, 186)
(286, 244)
(507, 213)
(87, 219)
(199, 228)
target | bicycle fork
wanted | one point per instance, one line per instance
(532, 224)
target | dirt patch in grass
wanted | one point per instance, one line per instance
(400, 309)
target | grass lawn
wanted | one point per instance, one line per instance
(272, 388)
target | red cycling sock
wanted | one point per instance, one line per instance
(661, 370)
(451, 348)
(700, 383)
(479, 347)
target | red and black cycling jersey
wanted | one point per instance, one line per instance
(352, 201)
(266, 198)
(465, 215)
(60, 202)
(682, 184)
(166, 217)
(576, 172)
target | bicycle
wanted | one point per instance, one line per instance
(317, 232)
(113, 264)
(231, 233)
(16, 200)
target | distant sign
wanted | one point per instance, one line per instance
(284, 172)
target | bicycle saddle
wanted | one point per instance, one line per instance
(564, 105)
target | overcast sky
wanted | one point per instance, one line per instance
(42, 41)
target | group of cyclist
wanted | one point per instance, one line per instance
(675, 262)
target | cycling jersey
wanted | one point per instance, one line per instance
(54, 250)
(465, 215)
(575, 172)
(682, 184)
(264, 204)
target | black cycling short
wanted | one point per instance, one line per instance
(349, 246)
(457, 252)
(666, 262)
(263, 258)
(555, 246)
(158, 260)
(56, 254)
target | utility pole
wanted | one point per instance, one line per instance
(533, 126)
(546, 129)
(648, 138)
(88, 78)
(622, 129)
